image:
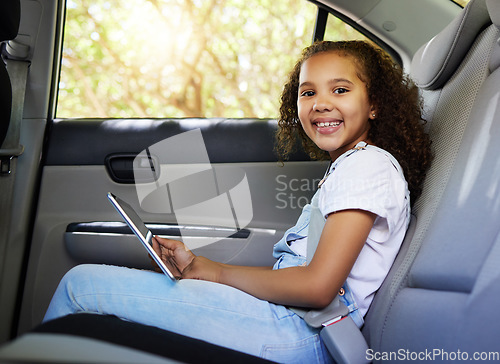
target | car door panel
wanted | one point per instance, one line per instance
(76, 224)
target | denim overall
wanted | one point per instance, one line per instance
(312, 219)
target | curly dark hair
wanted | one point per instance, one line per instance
(398, 127)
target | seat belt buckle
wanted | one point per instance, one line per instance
(334, 312)
(5, 165)
(345, 342)
(6, 156)
(333, 320)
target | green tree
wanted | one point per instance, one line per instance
(181, 58)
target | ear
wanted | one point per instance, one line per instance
(373, 113)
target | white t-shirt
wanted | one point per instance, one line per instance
(368, 180)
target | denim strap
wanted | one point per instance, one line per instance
(317, 220)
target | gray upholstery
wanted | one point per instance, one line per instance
(444, 288)
(434, 63)
(55, 348)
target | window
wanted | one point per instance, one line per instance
(462, 3)
(336, 29)
(193, 58)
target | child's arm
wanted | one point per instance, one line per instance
(177, 256)
(315, 285)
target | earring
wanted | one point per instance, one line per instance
(373, 115)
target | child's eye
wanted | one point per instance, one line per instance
(307, 93)
(340, 90)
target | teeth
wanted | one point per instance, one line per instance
(327, 124)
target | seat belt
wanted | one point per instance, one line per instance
(14, 54)
(339, 333)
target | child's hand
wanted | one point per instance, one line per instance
(174, 254)
(204, 269)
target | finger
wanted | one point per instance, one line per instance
(156, 246)
(157, 249)
(168, 243)
(173, 268)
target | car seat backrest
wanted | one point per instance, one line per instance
(440, 292)
(10, 14)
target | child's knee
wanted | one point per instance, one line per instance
(64, 301)
(77, 278)
(76, 272)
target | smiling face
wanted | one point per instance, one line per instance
(333, 104)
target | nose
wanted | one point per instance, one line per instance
(322, 103)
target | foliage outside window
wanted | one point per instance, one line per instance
(175, 58)
(462, 3)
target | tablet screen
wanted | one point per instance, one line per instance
(139, 228)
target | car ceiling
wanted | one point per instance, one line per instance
(403, 24)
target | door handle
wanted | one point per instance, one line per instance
(131, 168)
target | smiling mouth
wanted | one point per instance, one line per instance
(328, 124)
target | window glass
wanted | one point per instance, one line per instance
(336, 29)
(462, 3)
(192, 58)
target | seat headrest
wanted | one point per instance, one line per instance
(435, 62)
(494, 10)
(10, 15)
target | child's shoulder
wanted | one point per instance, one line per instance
(368, 163)
(372, 157)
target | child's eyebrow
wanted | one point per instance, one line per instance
(340, 80)
(333, 81)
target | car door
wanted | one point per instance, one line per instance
(76, 224)
(213, 182)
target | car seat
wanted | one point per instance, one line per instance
(442, 292)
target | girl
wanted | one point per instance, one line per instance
(346, 101)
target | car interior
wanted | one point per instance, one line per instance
(438, 301)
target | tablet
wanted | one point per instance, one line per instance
(140, 230)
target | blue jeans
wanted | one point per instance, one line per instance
(216, 313)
